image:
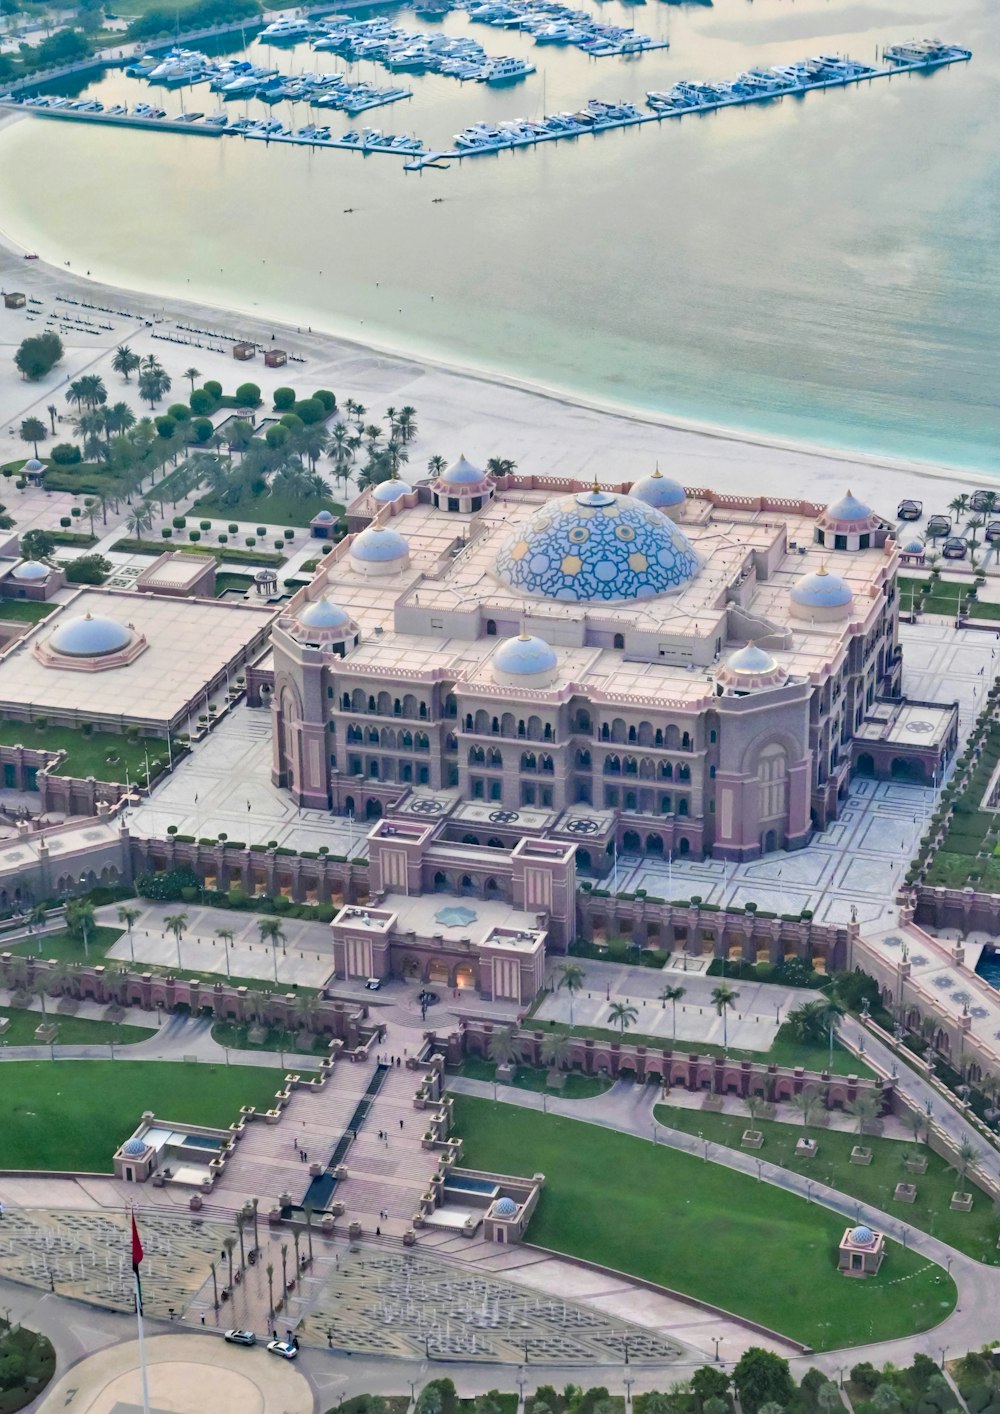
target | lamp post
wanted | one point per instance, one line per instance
(717, 1339)
(83, 920)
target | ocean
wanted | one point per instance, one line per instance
(823, 268)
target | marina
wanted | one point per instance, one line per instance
(756, 85)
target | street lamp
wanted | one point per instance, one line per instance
(83, 920)
(717, 1339)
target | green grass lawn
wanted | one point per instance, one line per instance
(974, 1233)
(702, 1229)
(73, 1030)
(64, 948)
(526, 1077)
(224, 582)
(73, 1114)
(228, 1033)
(270, 509)
(944, 597)
(86, 755)
(24, 611)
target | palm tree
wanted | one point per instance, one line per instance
(227, 935)
(806, 1102)
(623, 1015)
(813, 1021)
(975, 525)
(91, 427)
(373, 435)
(93, 389)
(723, 997)
(53, 412)
(284, 1268)
(866, 1109)
(269, 1269)
(359, 412)
(241, 1222)
(271, 931)
(125, 361)
(297, 1238)
(118, 418)
(229, 1242)
(754, 1105)
(76, 394)
(571, 977)
(436, 465)
(966, 1155)
(503, 1049)
(406, 424)
(959, 505)
(191, 374)
(140, 519)
(176, 923)
(33, 430)
(307, 1208)
(128, 914)
(555, 1049)
(500, 466)
(673, 995)
(396, 454)
(390, 417)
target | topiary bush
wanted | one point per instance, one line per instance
(201, 430)
(205, 524)
(233, 528)
(284, 398)
(166, 532)
(194, 536)
(247, 395)
(324, 396)
(65, 454)
(65, 522)
(250, 542)
(262, 530)
(202, 402)
(213, 388)
(178, 522)
(180, 412)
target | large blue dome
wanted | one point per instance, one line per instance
(822, 590)
(379, 545)
(90, 636)
(390, 490)
(597, 546)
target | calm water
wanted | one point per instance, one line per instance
(824, 268)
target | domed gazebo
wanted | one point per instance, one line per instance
(661, 492)
(525, 661)
(379, 550)
(748, 670)
(911, 549)
(861, 1252)
(847, 524)
(596, 546)
(821, 597)
(462, 487)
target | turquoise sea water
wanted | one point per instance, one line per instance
(824, 268)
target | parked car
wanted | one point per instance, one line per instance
(373, 984)
(287, 1349)
(241, 1337)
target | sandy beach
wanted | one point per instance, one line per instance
(459, 410)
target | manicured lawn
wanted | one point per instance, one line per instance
(270, 509)
(526, 1077)
(944, 597)
(74, 1114)
(228, 1033)
(73, 1030)
(974, 1233)
(224, 582)
(24, 611)
(63, 948)
(86, 755)
(699, 1228)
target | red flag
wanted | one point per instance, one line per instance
(136, 1247)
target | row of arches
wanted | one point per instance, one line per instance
(384, 704)
(388, 738)
(645, 768)
(390, 771)
(671, 738)
(534, 729)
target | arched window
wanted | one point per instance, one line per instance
(372, 705)
(772, 782)
(345, 702)
(682, 807)
(583, 760)
(583, 721)
(605, 732)
(491, 628)
(528, 761)
(618, 641)
(686, 742)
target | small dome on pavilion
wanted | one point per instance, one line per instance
(912, 545)
(751, 659)
(525, 661)
(132, 1148)
(387, 491)
(848, 508)
(323, 613)
(504, 1208)
(462, 473)
(749, 668)
(33, 464)
(31, 571)
(862, 1236)
(822, 590)
(658, 490)
(379, 550)
(90, 636)
(325, 517)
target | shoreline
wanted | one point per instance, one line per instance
(330, 346)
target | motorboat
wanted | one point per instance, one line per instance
(286, 30)
(506, 69)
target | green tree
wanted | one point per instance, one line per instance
(125, 361)
(33, 430)
(571, 977)
(38, 355)
(436, 465)
(500, 466)
(88, 569)
(866, 1109)
(885, 1400)
(37, 545)
(723, 997)
(79, 918)
(710, 1382)
(248, 395)
(811, 1021)
(140, 519)
(555, 1049)
(191, 374)
(807, 1102)
(53, 413)
(966, 1155)
(673, 996)
(623, 1015)
(503, 1049)
(761, 1377)
(176, 923)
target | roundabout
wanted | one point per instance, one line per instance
(186, 1373)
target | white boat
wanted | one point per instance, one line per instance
(506, 69)
(177, 60)
(288, 29)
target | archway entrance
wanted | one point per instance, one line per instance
(373, 810)
(911, 771)
(464, 976)
(864, 765)
(438, 972)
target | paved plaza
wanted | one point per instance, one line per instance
(752, 1021)
(305, 958)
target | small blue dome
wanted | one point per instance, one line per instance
(324, 613)
(387, 491)
(378, 545)
(822, 590)
(33, 464)
(751, 659)
(596, 546)
(526, 655)
(848, 508)
(31, 570)
(133, 1147)
(325, 516)
(90, 636)
(504, 1208)
(913, 546)
(863, 1236)
(659, 491)
(462, 473)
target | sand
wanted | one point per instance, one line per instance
(457, 410)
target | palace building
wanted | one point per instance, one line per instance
(638, 666)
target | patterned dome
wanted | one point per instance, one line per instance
(821, 590)
(913, 546)
(379, 545)
(90, 636)
(32, 570)
(324, 613)
(504, 1208)
(387, 491)
(659, 491)
(863, 1236)
(462, 473)
(133, 1147)
(597, 546)
(33, 464)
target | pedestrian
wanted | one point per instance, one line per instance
(248, 807)
(203, 1318)
(295, 1142)
(378, 1232)
(400, 1124)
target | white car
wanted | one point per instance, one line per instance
(285, 1348)
(241, 1338)
(374, 984)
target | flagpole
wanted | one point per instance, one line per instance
(137, 1256)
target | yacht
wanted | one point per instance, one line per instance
(117, 111)
(239, 71)
(506, 69)
(217, 120)
(287, 30)
(189, 117)
(243, 87)
(177, 61)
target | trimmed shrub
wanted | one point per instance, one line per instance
(65, 454)
(223, 539)
(194, 536)
(166, 532)
(262, 530)
(250, 542)
(310, 410)
(165, 426)
(65, 522)
(233, 528)
(247, 395)
(213, 388)
(180, 412)
(324, 396)
(201, 430)
(284, 398)
(74, 510)
(201, 402)
(178, 522)
(205, 525)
